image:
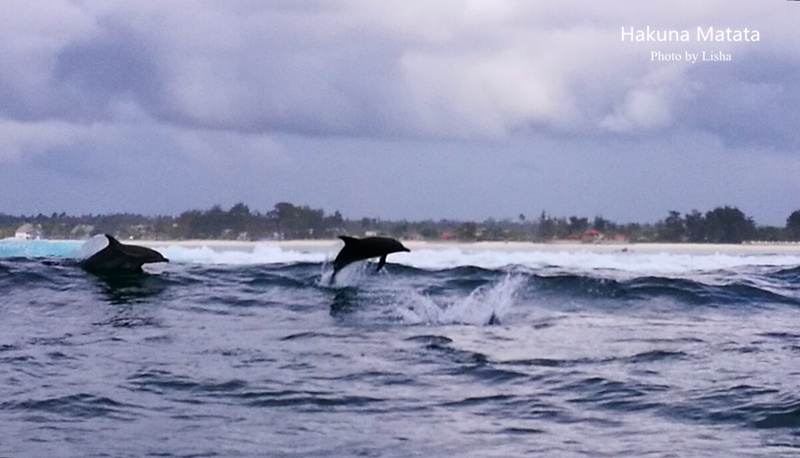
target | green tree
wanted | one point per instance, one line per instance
(673, 228)
(793, 226)
(770, 234)
(547, 227)
(239, 219)
(601, 224)
(695, 227)
(297, 222)
(187, 226)
(577, 225)
(467, 232)
(728, 225)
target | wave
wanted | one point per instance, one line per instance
(656, 263)
(81, 406)
(259, 254)
(445, 286)
(39, 248)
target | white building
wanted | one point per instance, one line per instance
(27, 232)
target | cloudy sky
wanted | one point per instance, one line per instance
(397, 109)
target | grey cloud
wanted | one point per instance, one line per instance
(434, 103)
(753, 103)
(463, 71)
(115, 64)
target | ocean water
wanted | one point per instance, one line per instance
(448, 352)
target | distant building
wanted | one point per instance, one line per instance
(591, 236)
(27, 232)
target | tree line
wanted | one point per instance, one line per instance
(288, 221)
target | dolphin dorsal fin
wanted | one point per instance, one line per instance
(347, 239)
(112, 241)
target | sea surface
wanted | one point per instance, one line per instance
(445, 352)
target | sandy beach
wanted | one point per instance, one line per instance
(315, 245)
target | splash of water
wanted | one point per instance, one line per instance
(488, 304)
(352, 275)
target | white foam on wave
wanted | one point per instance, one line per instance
(633, 262)
(260, 254)
(646, 262)
(90, 247)
(10, 247)
(485, 305)
(649, 263)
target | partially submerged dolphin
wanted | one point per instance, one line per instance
(359, 249)
(117, 257)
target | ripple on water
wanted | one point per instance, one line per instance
(225, 361)
(76, 406)
(780, 415)
(164, 382)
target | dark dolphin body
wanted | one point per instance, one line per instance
(117, 257)
(370, 247)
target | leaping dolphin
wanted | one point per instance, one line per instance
(370, 247)
(117, 257)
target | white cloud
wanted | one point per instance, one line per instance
(31, 35)
(648, 105)
(24, 139)
(219, 149)
(457, 69)
(216, 86)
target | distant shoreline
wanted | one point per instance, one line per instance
(325, 244)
